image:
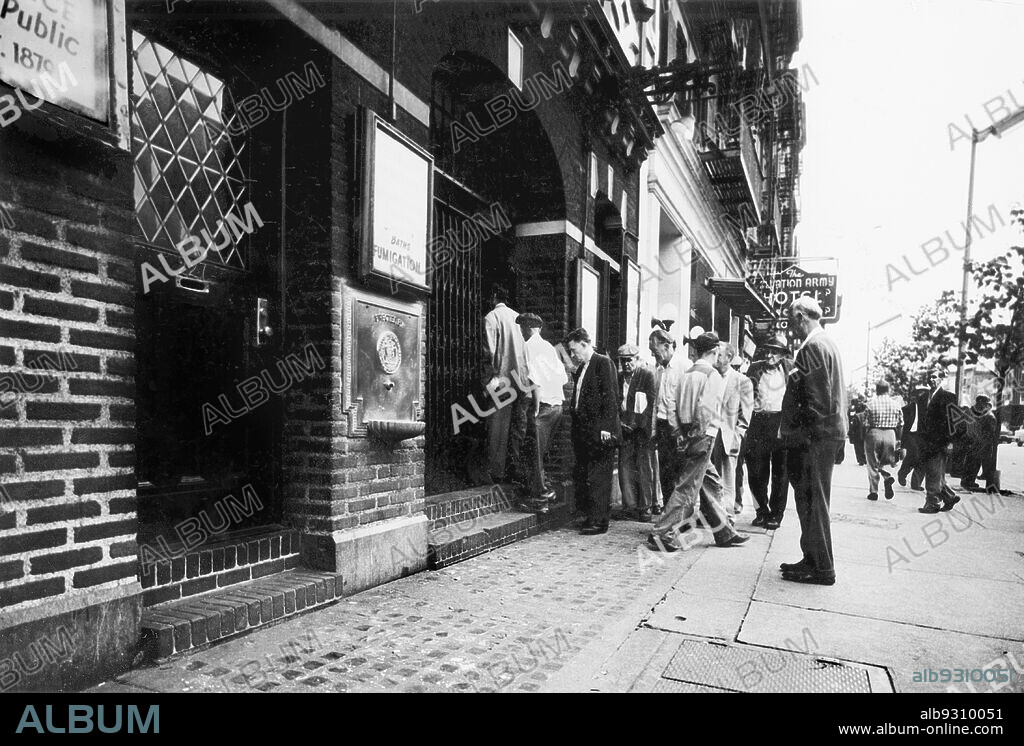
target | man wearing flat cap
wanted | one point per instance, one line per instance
(546, 373)
(765, 454)
(638, 464)
(690, 421)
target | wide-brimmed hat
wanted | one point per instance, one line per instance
(778, 342)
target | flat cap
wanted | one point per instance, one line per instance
(529, 319)
(778, 342)
(705, 342)
(628, 350)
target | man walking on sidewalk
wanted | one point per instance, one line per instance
(638, 464)
(883, 423)
(940, 414)
(687, 427)
(764, 453)
(814, 427)
(913, 414)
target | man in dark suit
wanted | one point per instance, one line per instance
(941, 414)
(911, 441)
(813, 427)
(764, 453)
(595, 430)
(638, 464)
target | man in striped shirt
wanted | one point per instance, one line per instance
(883, 427)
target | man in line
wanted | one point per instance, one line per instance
(737, 406)
(595, 430)
(544, 411)
(856, 420)
(883, 426)
(982, 446)
(913, 413)
(638, 464)
(765, 453)
(689, 416)
(503, 353)
(936, 433)
(813, 427)
(740, 365)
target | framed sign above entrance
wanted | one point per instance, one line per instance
(397, 194)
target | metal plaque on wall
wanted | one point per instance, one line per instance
(386, 355)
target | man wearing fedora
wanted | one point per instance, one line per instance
(765, 454)
(689, 415)
(547, 375)
(638, 463)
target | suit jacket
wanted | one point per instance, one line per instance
(642, 381)
(503, 344)
(938, 423)
(814, 407)
(598, 407)
(756, 370)
(910, 415)
(737, 408)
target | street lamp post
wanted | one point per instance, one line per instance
(997, 129)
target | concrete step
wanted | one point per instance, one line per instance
(460, 541)
(465, 505)
(179, 626)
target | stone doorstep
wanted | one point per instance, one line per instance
(179, 626)
(460, 541)
(471, 503)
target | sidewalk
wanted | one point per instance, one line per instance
(565, 612)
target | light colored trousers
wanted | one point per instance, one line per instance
(725, 465)
(696, 479)
(638, 473)
(880, 449)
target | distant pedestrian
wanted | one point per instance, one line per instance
(883, 427)
(982, 446)
(595, 430)
(687, 426)
(544, 409)
(813, 426)
(765, 453)
(638, 461)
(913, 414)
(936, 435)
(857, 431)
(737, 407)
(503, 353)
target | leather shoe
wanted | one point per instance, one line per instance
(809, 576)
(591, 529)
(735, 541)
(888, 489)
(928, 509)
(872, 496)
(948, 504)
(663, 543)
(795, 566)
(645, 516)
(901, 480)
(771, 524)
(759, 521)
(656, 510)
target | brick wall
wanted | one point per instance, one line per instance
(67, 324)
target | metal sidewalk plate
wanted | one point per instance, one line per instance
(705, 666)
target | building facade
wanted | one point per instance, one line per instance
(245, 256)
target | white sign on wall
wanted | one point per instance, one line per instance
(57, 50)
(398, 191)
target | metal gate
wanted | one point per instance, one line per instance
(454, 337)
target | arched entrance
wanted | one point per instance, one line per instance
(490, 176)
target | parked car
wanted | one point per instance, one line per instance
(1005, 436)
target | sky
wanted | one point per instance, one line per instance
(880, 177)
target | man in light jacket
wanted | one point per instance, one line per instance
(737, 406)
(503, 356)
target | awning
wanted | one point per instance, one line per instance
(740, 296)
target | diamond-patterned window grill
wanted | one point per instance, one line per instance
(188, 167)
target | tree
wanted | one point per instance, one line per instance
(932, 343)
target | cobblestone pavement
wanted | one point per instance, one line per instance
(504, 621)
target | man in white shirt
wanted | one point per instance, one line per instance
(503, 353)
(913, 414)
(545, 373)
(688, 420)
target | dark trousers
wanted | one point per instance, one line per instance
(810, 472)
(937, 491)
(979, 456)
(766, 461)
(540, 428)
(592, 477)
(912, 461)
(858, 448)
